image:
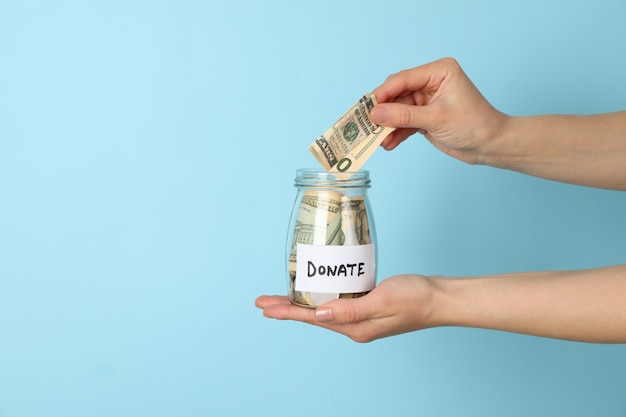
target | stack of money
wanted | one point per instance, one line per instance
(327, 218)
(348, 143)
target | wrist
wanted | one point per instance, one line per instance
(443, 302)
(499, 141)
(458, 301)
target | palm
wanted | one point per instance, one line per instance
(397, 305)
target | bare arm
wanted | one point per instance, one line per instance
(585, 150)
(440, 101)
(585, 306)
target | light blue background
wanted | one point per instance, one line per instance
(147, 156)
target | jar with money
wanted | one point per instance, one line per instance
(331, 241)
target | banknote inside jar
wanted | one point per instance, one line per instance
(315, 299)
(346, 223)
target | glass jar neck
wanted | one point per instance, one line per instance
(322, 178)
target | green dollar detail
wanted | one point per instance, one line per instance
(344, 164)
(350, 131)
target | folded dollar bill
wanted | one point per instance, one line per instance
(348, 143)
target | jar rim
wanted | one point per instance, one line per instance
(318, 177)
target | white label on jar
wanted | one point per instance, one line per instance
(335, 269)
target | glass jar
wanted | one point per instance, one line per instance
(331, 241)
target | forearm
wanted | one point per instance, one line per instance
(585, 150)
(587, 305)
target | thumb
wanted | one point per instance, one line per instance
(345, 311)
(400, 115)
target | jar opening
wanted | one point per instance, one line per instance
(311, 177)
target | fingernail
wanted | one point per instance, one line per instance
(324, 315)
(379, 115)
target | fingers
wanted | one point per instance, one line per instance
(397, 137)
(352, 318)
(401, 84)
(282, 310)
(267, 300)
(426, 77)
(356, 318)
(337, 311)
(399, 115)
(406, 118)
(407, 100)
(345, 311)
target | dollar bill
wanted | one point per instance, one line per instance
(318, 221)
(348, 143)
(354, 221)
